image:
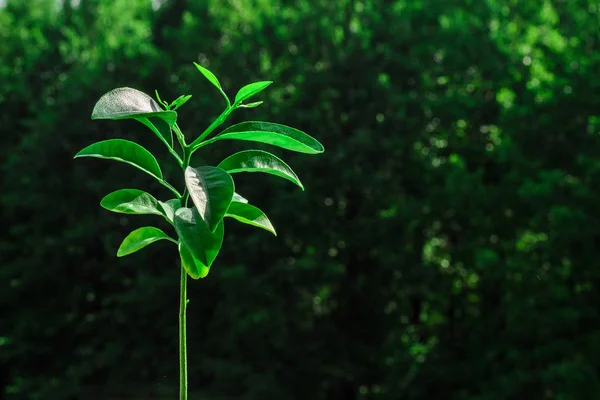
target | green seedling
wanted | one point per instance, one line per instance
(199, 226)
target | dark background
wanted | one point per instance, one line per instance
(446, 246)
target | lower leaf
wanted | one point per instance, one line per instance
(169, 207)
(248, 214)
(191, 264)
(193, 232)
(141, 238)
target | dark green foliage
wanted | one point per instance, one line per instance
(446, 248)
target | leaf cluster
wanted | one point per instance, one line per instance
(199, 224)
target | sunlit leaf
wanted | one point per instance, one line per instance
(124, 102)
(131, 201)
(194, 267)
(169, 208)
(250, 90)
(238, 198)
(259, 161)
(208, 75)
(196, 235)
(212, 79)
(124, 151)
(141, 238)
(270, 133)
(211, 189)
(250, 215)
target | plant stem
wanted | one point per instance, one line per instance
(183, 384)
(220, 119)
(171, 188)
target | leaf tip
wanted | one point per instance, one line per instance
(204, 272)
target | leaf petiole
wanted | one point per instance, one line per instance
(220, 119)
(174, 154)
(171, 188)
(179, 135)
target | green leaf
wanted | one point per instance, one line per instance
(194, 233)
(251, 105)
(169, 208)
(124, 102)
(270, 133)
(124, 151)
(238, 198)
(259, 161)
(250, 90)
(131, 201)
(209, 75)
(212, 78)
(211, 189)
(181, 100)
(191, 264)
(250, 215)
(141, 238)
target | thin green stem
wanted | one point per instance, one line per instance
(171, 188)
(174, 154)
(183, 384)
(180, 137)
(207, 142)
(220, 119)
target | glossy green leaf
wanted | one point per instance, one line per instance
(259, 161)
(270, 133)
(238, 198)
(191, 264)
(124, 151)
(250, 90)
(251, 105)
(181, 100)
(212, 79)
(211, 189)
(250, 215)
(124, 102)
(141, 238)
(131, 201)
(209, 75)
(196, 235)
(169, 208)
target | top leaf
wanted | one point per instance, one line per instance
(213, 79)
(250, 90)
(181, 100)
(123, 103)
(209, 75)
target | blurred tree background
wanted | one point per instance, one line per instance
(446, 246)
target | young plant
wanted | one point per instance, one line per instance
(199, 226)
